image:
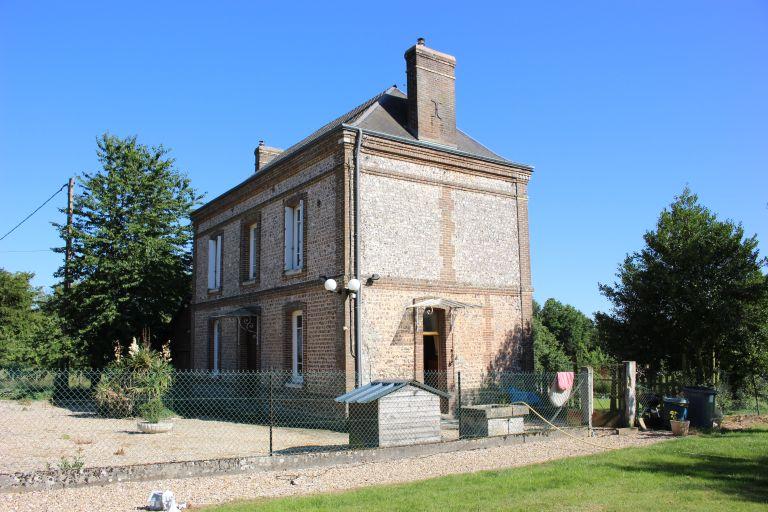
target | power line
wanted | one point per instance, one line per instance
(28, 250)
(34, 212)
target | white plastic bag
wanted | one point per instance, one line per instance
(163, 500)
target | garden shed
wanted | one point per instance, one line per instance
(392, 413)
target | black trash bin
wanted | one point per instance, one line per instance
(701, 408)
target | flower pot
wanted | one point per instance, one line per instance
(155, 428)
(680, 428)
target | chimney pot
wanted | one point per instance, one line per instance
(420, 41)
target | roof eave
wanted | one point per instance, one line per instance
(499, 161)
(271, 165)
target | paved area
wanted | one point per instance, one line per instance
(219, 489)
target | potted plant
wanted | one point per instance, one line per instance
(679, 427)
(152, 412)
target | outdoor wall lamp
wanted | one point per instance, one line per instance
(353, 286)
(372, 279)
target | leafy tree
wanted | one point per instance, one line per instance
(556, 329)
(548, 355)
(693, 299)
(30, 333)
(131, 264)
(574, 331)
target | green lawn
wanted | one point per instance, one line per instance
(709, 472)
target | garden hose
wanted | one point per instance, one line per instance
(545, 420)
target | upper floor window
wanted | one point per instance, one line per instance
(294, 236)
(214, 263)
(253, 248)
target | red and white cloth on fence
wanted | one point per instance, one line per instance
(560, 389)
(564, 381)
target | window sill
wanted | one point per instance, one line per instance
(214, 291)
(250, 282)
(293, 272)
(295, 384)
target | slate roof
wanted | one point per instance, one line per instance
(381, 388)
(386, 114)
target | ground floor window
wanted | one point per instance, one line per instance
(214, 352)
(297, 346)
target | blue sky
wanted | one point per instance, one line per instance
(618, 105)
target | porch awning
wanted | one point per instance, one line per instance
(442, 303)
(245, 311)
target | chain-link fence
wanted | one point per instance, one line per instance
(736, 395)
(94, 418)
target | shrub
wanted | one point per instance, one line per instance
(152, 411)
(128, 383)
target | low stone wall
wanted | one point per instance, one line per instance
(56, 479)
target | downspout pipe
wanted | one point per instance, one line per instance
(356, 244)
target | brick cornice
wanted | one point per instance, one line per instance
(435, 286)
(429, 154)
(255, 296)
(262, 180)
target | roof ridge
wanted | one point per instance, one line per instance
(346, 118)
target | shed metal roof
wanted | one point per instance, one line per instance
(381, 388)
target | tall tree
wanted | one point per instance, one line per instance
(574, 331)
(30, 334)
(131, 262)
(693, 299)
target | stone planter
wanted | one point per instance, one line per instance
(155, 428)
(492, 420)
(679, 428)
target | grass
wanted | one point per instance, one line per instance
(727, 471)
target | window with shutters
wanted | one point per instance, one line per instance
(294, 236)
(214, 263)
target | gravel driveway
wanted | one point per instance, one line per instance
(209, 490)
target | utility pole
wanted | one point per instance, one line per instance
(70, 214)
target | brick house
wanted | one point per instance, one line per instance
(438, 240)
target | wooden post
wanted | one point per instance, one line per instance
(586, 384)
(68, 249)
(630, 395)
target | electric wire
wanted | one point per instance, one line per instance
(34, 212)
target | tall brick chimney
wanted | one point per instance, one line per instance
(431, 94)
(263, 155)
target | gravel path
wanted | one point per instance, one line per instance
(209, 490)
(38, 434)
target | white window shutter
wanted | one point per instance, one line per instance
(211, 263)
(288, 238)
(300, 235)
(218, 261)
(253, 247)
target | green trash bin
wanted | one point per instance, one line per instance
(701, 405)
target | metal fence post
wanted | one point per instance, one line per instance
(630, 394)
(458, 405)
(587, 396)
(271, 412)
